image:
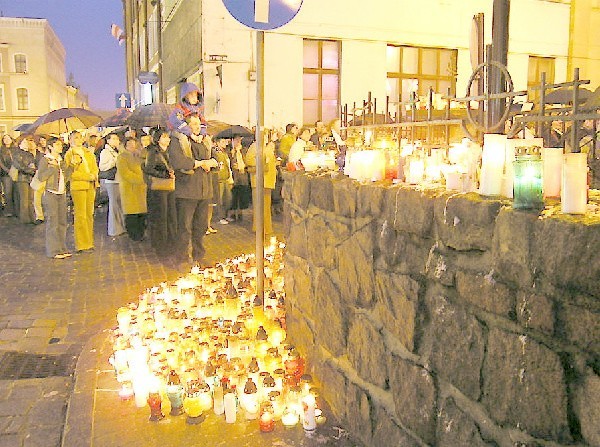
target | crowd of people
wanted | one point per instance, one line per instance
(170, 185)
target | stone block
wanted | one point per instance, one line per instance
(345, 197)
(321, 193)
(335, 390)
(387, 433)
(355, 260)
(580, 325)
(485, 292)
(299, 189)
(415, 397)
(524, 386)
(402, 252)
(358, 413)
(586, 405)
(323, 235)
(411, 212)
(455, 428)
(561, 248)
(298, 284)
(331, 326)
(535, 311)
(453, 344)
(299, 333)
(296, 239)
(439, 267)
(370, 200)
(511, 246)
(466, 221)
(397, 301)
(367, 352)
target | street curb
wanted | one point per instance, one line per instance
(79, 421)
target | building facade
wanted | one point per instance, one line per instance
(337, 52)
(32, 71)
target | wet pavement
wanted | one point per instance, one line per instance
(56, 385)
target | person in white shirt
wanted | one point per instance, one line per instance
(108, 169)
(299, 146)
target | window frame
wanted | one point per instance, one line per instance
(534, 94)
(24, 62)
(19, 99)
(320, 72)
(438, 77)
(2, 98)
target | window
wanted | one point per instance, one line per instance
(152, 25)
(2, 105)
(1, 63)
(20, 63)
(321, 80)
(417, 69)
(22, 99)
(537, 66)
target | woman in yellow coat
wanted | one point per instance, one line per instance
(133, 189)
(84, 182)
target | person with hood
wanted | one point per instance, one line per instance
(190, 104)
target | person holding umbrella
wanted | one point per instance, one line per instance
(84, 182)
(55, 173)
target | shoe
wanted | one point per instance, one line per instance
(224, 222)
(67, 255)
(230, 219)
(38, 222)
(210, 230)
(60, 256)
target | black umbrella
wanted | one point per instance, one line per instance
(564, 95)
(234, 131)
(115, 120)
(22, 127)
(151, 115)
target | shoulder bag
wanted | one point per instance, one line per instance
(36, 183)
(13, 173)
(162, 184)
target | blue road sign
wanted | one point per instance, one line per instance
(123, 101)
(263, 14)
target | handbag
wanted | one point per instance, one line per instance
(13, 173)
(109, 174)
(162, 184)
(36, 183)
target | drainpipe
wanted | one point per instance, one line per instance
(500, 19)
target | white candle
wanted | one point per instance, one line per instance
(573, 197)
(492, 164)
(552, 158)
(230, 407)
(308, 420)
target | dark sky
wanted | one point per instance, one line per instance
(83, 26)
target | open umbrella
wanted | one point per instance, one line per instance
(234, 131)
(564, 95)
(150, 115)
(63, 120)
(115, 120)
(22, 127)
(214, 127)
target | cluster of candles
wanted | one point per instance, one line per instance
(208, 343)
(521, 169)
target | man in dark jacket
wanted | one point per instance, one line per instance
(191, 160)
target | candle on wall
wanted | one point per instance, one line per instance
(308, 420)
(573, 196)
(528, 178)
(552, 158)
(230, 407)
(492, 164)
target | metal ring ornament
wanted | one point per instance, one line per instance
(483, 68)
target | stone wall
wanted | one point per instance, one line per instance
(440, 319)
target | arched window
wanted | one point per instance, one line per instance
(22, 99)
(20, 63)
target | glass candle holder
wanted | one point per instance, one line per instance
(528, 183)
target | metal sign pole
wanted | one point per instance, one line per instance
(259, 206)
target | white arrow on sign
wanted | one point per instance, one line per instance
(261, 11)
(123, 100)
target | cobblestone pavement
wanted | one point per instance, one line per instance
(55, 314)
